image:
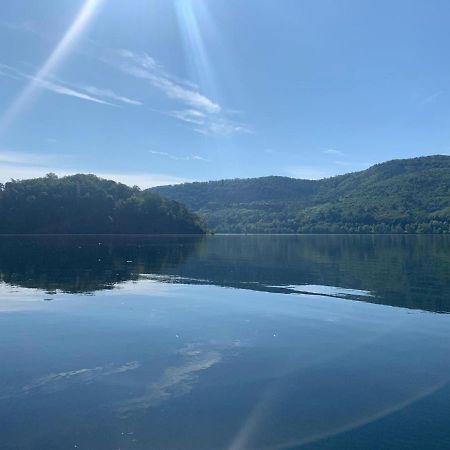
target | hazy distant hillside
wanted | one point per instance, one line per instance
(410, 195)
(87, 204)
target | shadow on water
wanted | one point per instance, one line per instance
(403, 271)
(85, 264)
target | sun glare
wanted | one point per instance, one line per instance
(51, 64)
(195, 51)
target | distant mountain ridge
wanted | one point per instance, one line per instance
(398, 196)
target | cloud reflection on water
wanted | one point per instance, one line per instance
(175, 381)
(55, 382)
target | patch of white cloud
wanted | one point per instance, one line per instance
(309, 172)
(334, 168)
(209, 125)
(64, 90)
(202, 113)
(223, 127)
(140, 60)
(22, 166)
(144, 180)
(186, 95)
(11, 72)
(9, 157)
(190, 115)
(144, 66)
(23, 172)
(88, 93)
(179, 158)
(333, 151)
(108, 93)
(432, 97)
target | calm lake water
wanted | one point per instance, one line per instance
(225, 342)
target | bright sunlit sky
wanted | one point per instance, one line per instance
(153, 92)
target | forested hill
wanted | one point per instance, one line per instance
(88, 204)
(409, 195)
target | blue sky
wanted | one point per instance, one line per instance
(158, 91)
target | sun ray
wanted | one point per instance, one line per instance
(199, 62)
(193, 19)
(51, 64)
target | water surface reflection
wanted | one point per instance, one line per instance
(192, 343)
(404, 271)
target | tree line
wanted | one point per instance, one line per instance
(401, 196)
(89, 204)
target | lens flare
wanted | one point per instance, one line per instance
(193, 21)
(51, 64)
(195, 51)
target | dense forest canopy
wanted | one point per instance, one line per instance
(400, 196)
(88, 204)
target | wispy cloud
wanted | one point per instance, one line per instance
(223, 127)
(178, 92)
(309, 172)
(88, 93)
(64, 90)
(142, 179)
(27, 26)
(11, 72)
(179, 158)
(108, 93)
(202, 113)
(333, 151)
(432, 97)
(190, 115)
(209, 124)
(21, 166)
(334, 168)
(344, 160)
(11, 157)
(144, 66)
